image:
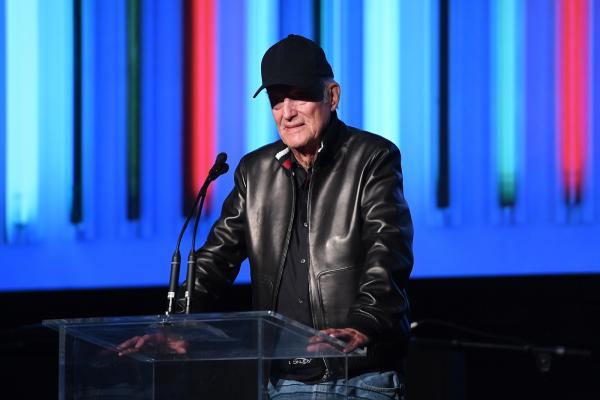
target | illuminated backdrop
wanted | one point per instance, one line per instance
(112, 111)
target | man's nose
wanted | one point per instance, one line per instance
(289, 108)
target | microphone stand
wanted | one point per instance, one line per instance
(190, 276)
(219, 168)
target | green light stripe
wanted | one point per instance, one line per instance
(133, 109)
(507, 36)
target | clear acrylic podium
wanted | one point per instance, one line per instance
(196, 356)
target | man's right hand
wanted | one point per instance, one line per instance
(353, 338)
(160, 341)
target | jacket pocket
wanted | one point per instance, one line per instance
(337, 292)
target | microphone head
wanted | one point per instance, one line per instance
(219, 168)
(221, 158)
(222, 169)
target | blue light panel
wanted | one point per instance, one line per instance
(341, 39)
(261, 33)
(3, 164)
(164, 102)
(22, 120)
(296, 17)
(382, 69)
(56, 116)
(541, 182)
(233, 97)
(416, 122)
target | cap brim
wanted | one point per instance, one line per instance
(258, 91)
(300, 83)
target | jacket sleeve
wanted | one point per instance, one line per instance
(218, 260)
(381, 305)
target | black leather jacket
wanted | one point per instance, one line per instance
(360, 236)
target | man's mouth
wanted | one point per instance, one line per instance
(292, 127)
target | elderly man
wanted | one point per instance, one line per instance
(322, 217)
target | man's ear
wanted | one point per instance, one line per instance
(334, 98)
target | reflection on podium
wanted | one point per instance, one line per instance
(199, 356)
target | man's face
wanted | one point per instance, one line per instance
(300, 116)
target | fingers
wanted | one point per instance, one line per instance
(178, 346)
(134, 344)
(158, 341)
(357, 339)
(142, 341)
(353, 338)
(353, 344)
(128, 343)
(319, 347)
(128, 346)
(318, 343)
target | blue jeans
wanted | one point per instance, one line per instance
(369, 386)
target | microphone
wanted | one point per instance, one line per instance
(219, 168)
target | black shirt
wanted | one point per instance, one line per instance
(293, 300)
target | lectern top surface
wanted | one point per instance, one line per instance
(243, 335)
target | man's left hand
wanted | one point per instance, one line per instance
(351, 336)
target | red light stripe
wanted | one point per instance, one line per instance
(200, 107)
(574, 101)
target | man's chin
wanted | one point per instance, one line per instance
(294, 144)
(304, 149)
(297, 146)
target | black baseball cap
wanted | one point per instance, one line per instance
(294, 61)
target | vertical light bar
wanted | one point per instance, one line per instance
(594, 162)
(231, 92)
(317, 17)
(331, 34)
(200, 98)
(506, 66)
(573, 95)
(416, 82)
(297, 17)
(22, 118)
(381, 60)
(3, 163)
(55, 99)
(261, 33)
(443, 142)
(166, 115)
(77, 189)
(109, 116)
(150, 164)
(86, 167)
(134, 61)
(539, 167)
(469, 113)
(341, 36)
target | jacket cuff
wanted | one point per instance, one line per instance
(365, 325)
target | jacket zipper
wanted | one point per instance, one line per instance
(311, 273)
(287, 245)
(310, 264)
